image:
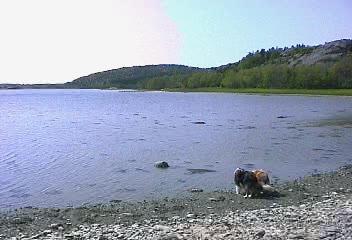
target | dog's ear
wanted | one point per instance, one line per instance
(238, 171)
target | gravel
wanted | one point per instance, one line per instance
(327, 219)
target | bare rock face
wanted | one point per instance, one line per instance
(342, 45)
(161, 164)
(328, 52)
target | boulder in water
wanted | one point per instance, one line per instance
(161, 164)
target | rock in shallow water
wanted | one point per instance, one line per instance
(198, 122)
(196, 190)
(161, 164)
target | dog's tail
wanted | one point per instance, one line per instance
(268, 188)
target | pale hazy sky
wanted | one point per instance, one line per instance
(53, 41)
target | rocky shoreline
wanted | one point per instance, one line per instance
(314, 207)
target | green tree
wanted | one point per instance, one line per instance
(341, 73)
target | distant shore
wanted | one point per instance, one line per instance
(334, 92)
(221, 214)
(260, 91)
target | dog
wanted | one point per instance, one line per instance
(251, 183)
(246, 183)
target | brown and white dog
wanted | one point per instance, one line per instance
(251, 183)
(263, 179)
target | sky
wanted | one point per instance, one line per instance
(56, 41)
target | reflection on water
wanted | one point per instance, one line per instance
(69, 147)
(336, 121)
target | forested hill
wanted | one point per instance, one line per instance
(324, 66)
(133, 77)
(299, 54)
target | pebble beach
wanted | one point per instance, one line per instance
(318, 206)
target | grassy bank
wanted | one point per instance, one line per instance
(337, 92)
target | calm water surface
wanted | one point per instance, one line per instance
(69, 147)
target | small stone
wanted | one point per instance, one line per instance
(170, 237)
(260, 234)
(295, 236)
(324, 235)
(332, 229)
(120, 236)
(48, 231)
(195, 190)
(126, 214)
(226, 235)
(54, 226)
(68, 236)
(37, 236)
(219, 199)
(162, 228)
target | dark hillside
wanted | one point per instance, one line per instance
(131, 77)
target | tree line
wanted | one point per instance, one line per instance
(260, 70)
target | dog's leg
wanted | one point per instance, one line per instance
(237, 190)
(246, 192)
(251, 193)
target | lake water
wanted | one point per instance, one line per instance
(70, 147)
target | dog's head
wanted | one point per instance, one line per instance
(238, 175)
(238, 171)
